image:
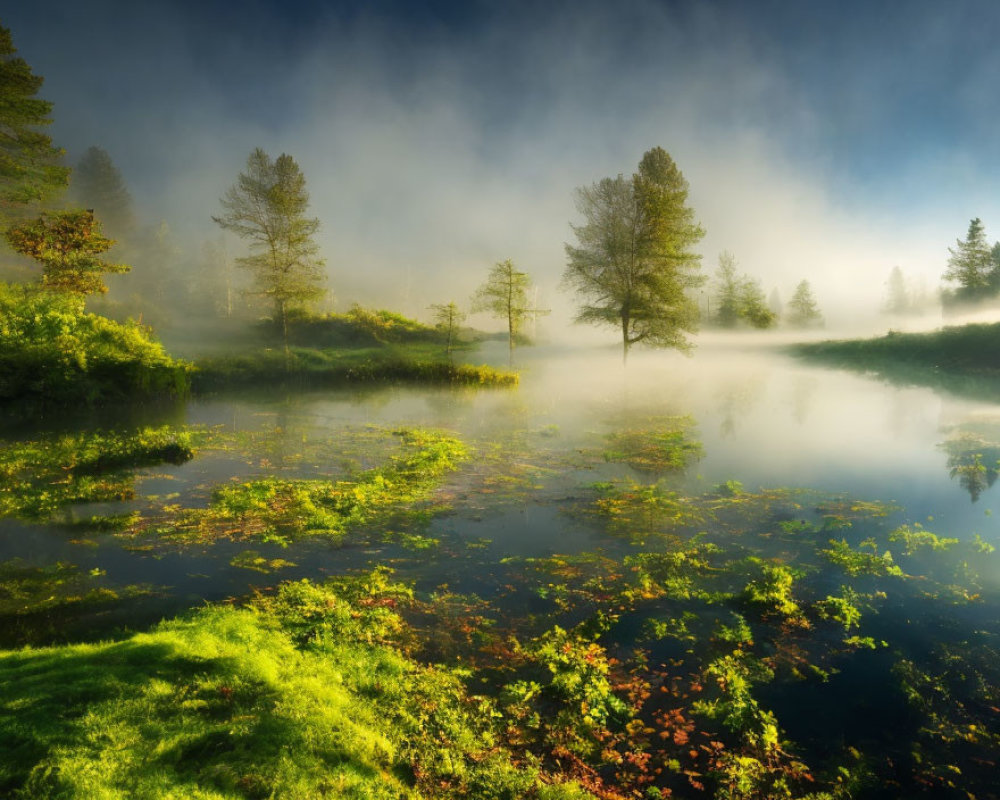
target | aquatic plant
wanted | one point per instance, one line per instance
(914, 539)
(279, 509)
(665, 446)
(37, 478)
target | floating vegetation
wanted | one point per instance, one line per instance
(279, 510)
(251, 559)
(915, 539)
(39, 478)
(660, 448)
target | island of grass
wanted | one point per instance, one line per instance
(963, 358)
(360, 346)
(53, 353)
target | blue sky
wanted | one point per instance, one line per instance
(822, 140)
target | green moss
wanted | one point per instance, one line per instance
(243, 703)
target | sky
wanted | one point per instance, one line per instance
(822, 141)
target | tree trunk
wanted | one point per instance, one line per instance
(625, 341)
(284, 334)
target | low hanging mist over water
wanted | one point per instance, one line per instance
(440, 401)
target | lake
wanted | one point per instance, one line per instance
(554, 504)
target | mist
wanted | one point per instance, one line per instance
(437, 143)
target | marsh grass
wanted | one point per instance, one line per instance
(302, 694)
(419, 364)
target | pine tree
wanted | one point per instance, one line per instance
(727, 299)
(267, 207)
(96, 183)
(752, 306)
(971, 263)
(898, 299)
(802, 309)
(30, 169)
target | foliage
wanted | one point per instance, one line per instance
(30, 168)
(634, 262)
(856, 562)
(38, 478)
(447, 319)
(238, 703)
(772, 589)
(505, 296)
(802, 310)
(666, 447)
(971, 263)
(52, 353)
(359, 327)
(963, 358)
(914, 539)
(267, 207)
(67, 244)
(739, 299)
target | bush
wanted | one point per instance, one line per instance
(54, 353)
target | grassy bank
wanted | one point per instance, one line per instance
(333, 367)
(53, 353)
(305, 694)
(964, 358)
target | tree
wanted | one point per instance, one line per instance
(634, 263)
(971, 263)
(67, 244)
(505, 296)
(727, 304)
(752, 306)
(802, 309)
(447, 319)
(29, 165)
(897, 295)
(774, 302)
(96, 183)
(267, 207)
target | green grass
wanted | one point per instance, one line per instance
(303, 695)
(420, 364)
(965, 358)
(52, 353)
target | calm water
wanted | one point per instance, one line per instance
(765, 420)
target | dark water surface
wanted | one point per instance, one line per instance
(764, 420)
